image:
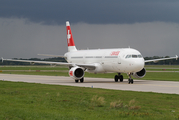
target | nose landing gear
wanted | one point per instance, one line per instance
(130, 80)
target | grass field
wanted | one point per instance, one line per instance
(27, 101)
(162, 67)
(165, 72)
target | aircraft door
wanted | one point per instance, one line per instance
(118, 63)
(119, 59)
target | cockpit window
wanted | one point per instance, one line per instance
(128, 56)
(139, 56)
(134, 56)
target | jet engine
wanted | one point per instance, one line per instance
(139, 74)
(76, 73)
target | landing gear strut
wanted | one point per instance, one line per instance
(130, 80)
(81, 80)
(118, 77)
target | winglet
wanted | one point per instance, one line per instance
(176, 57)
(2, 59)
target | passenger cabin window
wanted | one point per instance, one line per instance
(133, 56)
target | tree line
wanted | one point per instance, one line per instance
(58, 59)
(163, 62)
(55, 59)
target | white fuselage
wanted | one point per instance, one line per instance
(124, 60)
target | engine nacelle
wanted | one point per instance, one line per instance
(76, 73)
(139, 74)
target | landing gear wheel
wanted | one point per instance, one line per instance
(82, 80)
(130, 81)
(76, 81)
(116, 78)
(121, 78)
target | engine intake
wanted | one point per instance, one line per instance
(139, 74)
(76, 73)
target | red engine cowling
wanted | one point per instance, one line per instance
(76, 73)
(139, 74)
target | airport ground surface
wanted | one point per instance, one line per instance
(169, 87)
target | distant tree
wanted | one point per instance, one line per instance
(164, 62)
(55, 59)
(58, 59)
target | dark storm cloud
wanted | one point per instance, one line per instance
(28, 27)
(91, 11)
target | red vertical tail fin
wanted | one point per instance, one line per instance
(70, 41)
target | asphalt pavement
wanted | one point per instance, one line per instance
(169, 87)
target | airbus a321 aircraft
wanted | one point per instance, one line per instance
(119, 60)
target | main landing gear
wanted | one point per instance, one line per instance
(81, 80)
(130, 80)
(118, 77)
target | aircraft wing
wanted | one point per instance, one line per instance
(87, 66)
(156, 60)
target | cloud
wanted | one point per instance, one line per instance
(91, 11)
(151, 38)
(21, 38)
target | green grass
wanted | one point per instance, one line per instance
(162, 76)
(36, 101)
(33, 68)
(163, 70)
(37, 73)
(162, 67)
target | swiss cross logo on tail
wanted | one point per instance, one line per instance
(70, 40)
(68, 36)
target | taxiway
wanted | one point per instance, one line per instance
(169, 87)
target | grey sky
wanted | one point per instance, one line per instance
(31, 27)
(91, 11)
